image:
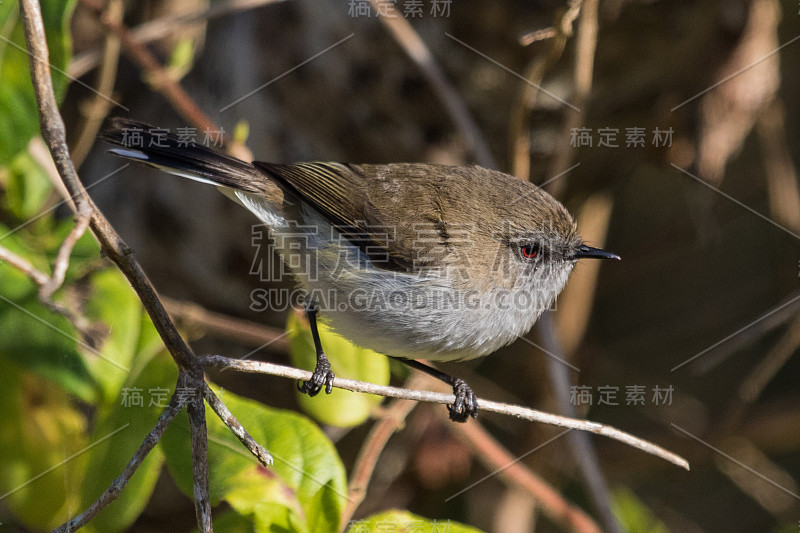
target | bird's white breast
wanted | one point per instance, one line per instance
(394, 313)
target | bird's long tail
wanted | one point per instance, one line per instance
(172, 153)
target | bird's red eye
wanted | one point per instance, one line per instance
(529, 251)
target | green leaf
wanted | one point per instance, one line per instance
(634, 515)
(305, 490)
(253, 492)
(128, 422)
(18, 113)
(41, 442)
(27, 188)
(402, 521)
(37, 339)
(115, 307)
(340, 408)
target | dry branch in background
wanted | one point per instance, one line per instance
(498, 460)
(193, 315)
(586, 13)
(745, 85)
(391, 419)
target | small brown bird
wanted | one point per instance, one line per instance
(412, 260)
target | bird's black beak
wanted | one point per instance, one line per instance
(587, 252)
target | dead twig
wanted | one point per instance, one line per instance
(768, 367)
(222, 411)
(161, 80)
(519, 124)
(95, 109)
(48, 285)
(23, 265)
(61, 263)
(158, 28)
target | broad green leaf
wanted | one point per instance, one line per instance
(257, 493)
(115, 307)
(27, 187)
(403, 521)
(634, 515)
(37, 339)
(19, 120)
(42, 437)
(304, 490)
(340, 408)
(128, 421)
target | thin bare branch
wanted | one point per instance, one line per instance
(519, 125)
(538, 35)
(162, 82)
(49, 284)
(95, 108)
(156, 29)
(61, 263)
(770, 364)
(260, 453)
(585, 47)
(23, 265)
(262, 367)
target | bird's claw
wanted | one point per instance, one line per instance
(466, 404)
(322, 376)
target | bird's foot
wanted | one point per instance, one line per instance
(322, 376)
(466, 404)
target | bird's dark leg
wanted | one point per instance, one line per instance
(466, 404)
(323, 375)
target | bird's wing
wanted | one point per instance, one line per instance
(379, 208)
